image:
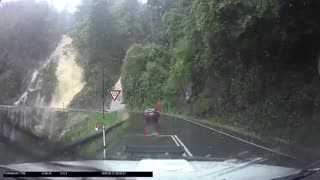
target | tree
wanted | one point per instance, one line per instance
(104, 31)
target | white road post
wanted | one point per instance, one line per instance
(104, 142)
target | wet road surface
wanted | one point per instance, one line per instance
(198, 141)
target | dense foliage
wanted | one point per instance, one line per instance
(103, 32)
(252, 62)
(29, 32)
(144, 74)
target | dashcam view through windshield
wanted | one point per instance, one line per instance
(160, 89)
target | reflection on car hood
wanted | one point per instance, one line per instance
(167, 169)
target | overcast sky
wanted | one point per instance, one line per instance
(71, 5)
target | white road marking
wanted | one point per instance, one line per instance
(161, 135)
(184, 154)
(242, 140)
(185, 147)
(175, 140)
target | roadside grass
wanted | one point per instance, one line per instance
(87, 126)
(94, 149)
(242, 130)
(73, 118)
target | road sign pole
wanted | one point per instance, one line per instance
(103, 94)
(104, 142)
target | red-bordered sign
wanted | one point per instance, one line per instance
(114, 94)
(97, 127)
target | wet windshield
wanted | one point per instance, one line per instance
(234, 82)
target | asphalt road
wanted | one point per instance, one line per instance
(199, 141)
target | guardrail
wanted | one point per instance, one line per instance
(53, 109)
(84, 140)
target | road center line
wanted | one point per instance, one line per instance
(184, 154)
(184, 146)
(153, 135)
(175, 140)
(242, 140)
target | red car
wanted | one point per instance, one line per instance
(151, 123)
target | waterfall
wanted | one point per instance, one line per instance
(34, 86)
(69, 75)
(70, 82)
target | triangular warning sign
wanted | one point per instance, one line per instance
(114, 94)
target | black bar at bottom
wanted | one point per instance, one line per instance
(78, 174)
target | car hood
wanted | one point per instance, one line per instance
(167, 169)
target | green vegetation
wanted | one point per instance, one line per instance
(240, 61)
(87, 126)
(253, 64)
(144, 73)
(103, 32)
(96, 147)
